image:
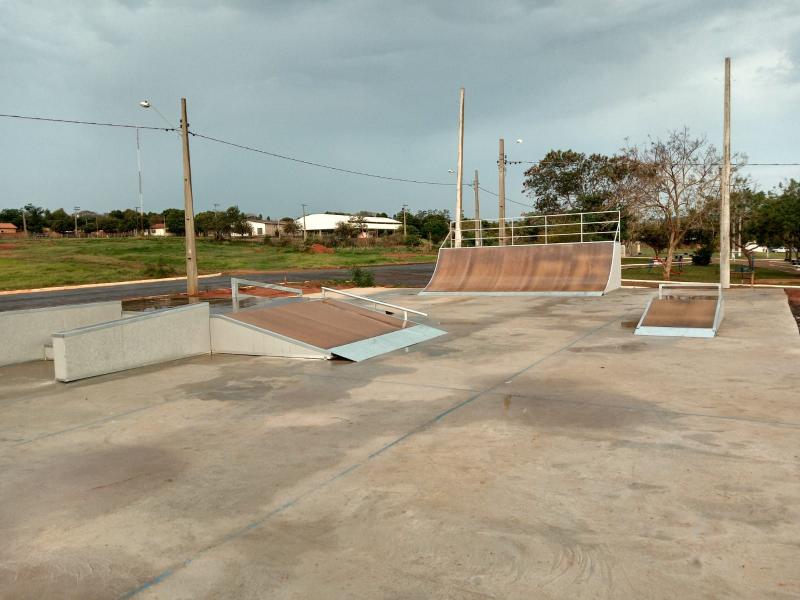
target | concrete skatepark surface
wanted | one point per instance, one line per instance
(539, 450)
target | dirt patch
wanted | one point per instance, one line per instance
(307, 287)
(793, 296)
(320, 249)
(8, 246)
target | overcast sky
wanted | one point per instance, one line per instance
(373, 86)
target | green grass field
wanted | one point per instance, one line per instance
(26, 264)
(710, 274)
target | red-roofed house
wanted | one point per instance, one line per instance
(157, 229)
(8, 229)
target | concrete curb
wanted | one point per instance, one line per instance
(99, 285)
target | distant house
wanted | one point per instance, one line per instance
(326, 223)
(261, 228)
(157, 230)
(8, 229)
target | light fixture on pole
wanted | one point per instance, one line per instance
(148, 104)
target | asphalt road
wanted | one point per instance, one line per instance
(396, 275)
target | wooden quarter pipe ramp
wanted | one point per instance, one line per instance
(564, 269)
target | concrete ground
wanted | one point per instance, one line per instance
(540, 450)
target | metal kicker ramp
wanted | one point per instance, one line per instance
(683, 310)
(550, 255)
(324, 328)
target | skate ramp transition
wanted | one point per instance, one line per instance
(320, 328)
(566, 269)
(688, 310)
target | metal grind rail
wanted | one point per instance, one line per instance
(689, 286)
(236, 283)
(376, 303)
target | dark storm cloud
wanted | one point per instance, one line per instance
(372, 86)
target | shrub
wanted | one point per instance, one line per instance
(362, 278)
(413, 240)
(702, 256)
(283, 242)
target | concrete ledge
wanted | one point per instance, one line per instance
(26, 332)
(132, 342)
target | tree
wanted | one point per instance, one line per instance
(565, 180)
(175, 221)
(655, 235)
(60, 221)
(434, 224)
(344, 231)
(236, 221)
(776, 220)
(204, 222)
(36, 217)
(289, 226)
(675, 181)
(358, 223)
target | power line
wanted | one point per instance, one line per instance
(74, 122)
(321, 165)
(745, 164)
(497, 195)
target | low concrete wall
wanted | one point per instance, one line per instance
(25, 333)
(132, 342)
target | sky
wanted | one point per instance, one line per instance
(373, 87)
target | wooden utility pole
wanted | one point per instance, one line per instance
(405, 230)
(501, 195)
(139, 164)
(192, 287)
(478, 232)
(725, 186)
(460, 168)
(304, 222)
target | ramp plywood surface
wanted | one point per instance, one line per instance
(321, 323)
(537, 268)
(696, 312)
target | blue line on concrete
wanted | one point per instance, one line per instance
(89, 424)
(324, 483)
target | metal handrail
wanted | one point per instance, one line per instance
(521, 226)
(373, 301)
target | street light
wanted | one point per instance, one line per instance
(148, 104)
(188, 202)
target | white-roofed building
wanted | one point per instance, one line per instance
(322, 223)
